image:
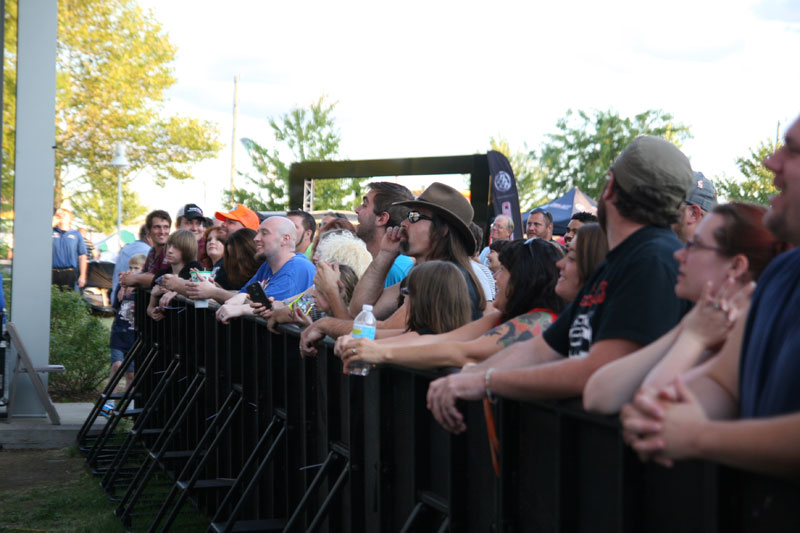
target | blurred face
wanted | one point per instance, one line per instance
(537, 226)
(136, 269)
(214, 247)
(699, 262)
(366, 218)
(572, 227)
(783, 217)
(494, 261)
(501, 277)
(231, 226)
(267, 239)
(304, 237)
(569, 279)
(173, 255)
(500, 228)
(195, 226)
(62, 219)
(418, 234)
(320, 302)
(159, 231)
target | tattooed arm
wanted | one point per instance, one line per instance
(441, 354)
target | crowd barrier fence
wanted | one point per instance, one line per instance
(288, 443)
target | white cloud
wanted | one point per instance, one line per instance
(440, 78)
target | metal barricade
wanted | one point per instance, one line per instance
(310, 449)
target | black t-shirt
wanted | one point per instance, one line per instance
(183, 274)
(630, 296)
(221, 276)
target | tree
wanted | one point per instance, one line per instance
(309, 134)
(113, 68)
(756, 185)
(527, 173)
(582, 150)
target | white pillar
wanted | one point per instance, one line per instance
(33, 185)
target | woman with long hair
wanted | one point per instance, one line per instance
(527, 301)
(718, 268)
(237, 266)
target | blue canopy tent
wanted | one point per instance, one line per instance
(563, 208)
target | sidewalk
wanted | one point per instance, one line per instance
(39, 433)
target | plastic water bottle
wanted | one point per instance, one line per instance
(363, 326)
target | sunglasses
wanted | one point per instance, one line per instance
(416, 216)
(404, 291)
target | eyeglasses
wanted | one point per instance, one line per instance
(404, 291)
(416, 216)
(692, 244)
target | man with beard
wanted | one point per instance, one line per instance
(376, 214)
(284, 272)
(436, 227)
(628, 301)
(754, 377)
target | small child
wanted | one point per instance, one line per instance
(122, 331)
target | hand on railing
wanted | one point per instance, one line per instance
(309, 339)
(166, 298)
(443, 394)
(663, 427)
(228, 311)
(361, 349)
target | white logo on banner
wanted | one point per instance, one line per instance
(502, 181)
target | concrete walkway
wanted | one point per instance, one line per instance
(39, 433)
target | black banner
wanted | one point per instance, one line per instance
(503, 193)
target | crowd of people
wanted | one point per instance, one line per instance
(667, 307)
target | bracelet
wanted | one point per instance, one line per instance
(487, 378)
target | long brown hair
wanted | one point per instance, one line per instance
(239, 259)
(439, 297)
(590, 250)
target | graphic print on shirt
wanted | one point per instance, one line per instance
(580, 332)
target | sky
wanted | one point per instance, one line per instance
(441, 78)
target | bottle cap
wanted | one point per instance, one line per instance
(366, 307)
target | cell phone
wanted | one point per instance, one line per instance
(257, 294)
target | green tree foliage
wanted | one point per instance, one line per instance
(79, 341)
(582, 150)
(527, 173)
(755, 183)
(307, 134)
(113, 68)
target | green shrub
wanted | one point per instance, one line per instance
(79, 341)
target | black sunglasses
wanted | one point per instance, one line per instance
(416, 216)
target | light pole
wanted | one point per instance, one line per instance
(119, 162)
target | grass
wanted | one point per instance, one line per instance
(77, 504)
(60, 506)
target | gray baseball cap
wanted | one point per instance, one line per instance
(652, 164)
(703, 193)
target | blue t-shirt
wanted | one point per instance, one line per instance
(769, 369)
(400, 268)
(67, 246)
(295, 276)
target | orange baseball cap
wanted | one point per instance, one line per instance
(245, 215)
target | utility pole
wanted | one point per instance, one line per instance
(233, 136)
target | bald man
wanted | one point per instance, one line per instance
(284, 272)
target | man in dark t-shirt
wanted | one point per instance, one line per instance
(629, 301)
(754, 376)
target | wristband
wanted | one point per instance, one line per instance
(487, 378)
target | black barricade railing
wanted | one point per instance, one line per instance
(364, 454)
